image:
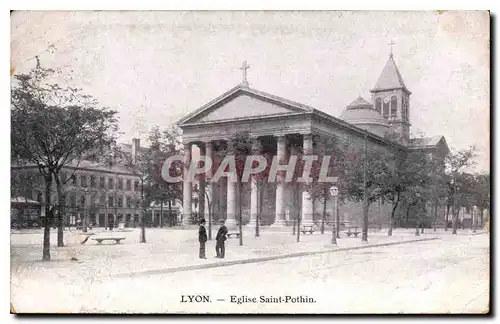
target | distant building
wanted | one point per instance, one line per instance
(105, 193)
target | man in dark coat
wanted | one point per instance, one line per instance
(202, 238)
(221, 238)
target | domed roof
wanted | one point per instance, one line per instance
(359, 103)
(361, 111)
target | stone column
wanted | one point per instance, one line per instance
(307, 202)
(210, 186)
(231, 196)
(201, 189)
(254, 195)
(293, 197)
(187, 190)
(280, 184)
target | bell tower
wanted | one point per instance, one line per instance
(391, 99)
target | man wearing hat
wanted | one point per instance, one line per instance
(202, 238)
(220, 238)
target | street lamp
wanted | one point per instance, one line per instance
(334, 192)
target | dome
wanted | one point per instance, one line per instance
(362, 114)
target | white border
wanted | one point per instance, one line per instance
(177, 5)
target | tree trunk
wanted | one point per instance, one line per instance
(161, 213)
(48, 218)
(259, 210)
(170, 218)
(325, 192)
(337, 219)
(210, 211)
(435, 215)
(446, 217)
(364, 234)
(417, 223)
(454, 219)
(298, 227)
(407, 215)
(393, 212)
(61, 211)
(143, 216)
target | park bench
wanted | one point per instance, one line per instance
(231, 234)
(355, 232)
(101, 239)
(307, 229)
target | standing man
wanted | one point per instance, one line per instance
(202, 237)
(221, 238)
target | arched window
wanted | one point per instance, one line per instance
(386, 108)
(394, 106)
(378, 105)
(403, 108)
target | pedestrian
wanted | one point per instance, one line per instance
(111, 223)
(221, 238)
(202, 238)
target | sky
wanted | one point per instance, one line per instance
(154, 67)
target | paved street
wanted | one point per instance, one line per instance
(446, 275)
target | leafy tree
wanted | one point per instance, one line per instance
(455, 163)
(336, 167)
(141, 166)
(352, 184)
(410, 181)
(163, 145)
(53, 126)
(481, 193)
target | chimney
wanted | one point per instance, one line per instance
(136, 142)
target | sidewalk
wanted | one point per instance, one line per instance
(171, 250)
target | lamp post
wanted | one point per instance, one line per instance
(334, 192)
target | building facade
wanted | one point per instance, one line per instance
(104, 194)
(281, 127)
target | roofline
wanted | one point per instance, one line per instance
(237, 88)
(356, 129)
(375, 90)
(230, 120)
(21, 167)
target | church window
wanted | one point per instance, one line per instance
(405, 109)
(394, 106)
(386, 108)
(378, 105)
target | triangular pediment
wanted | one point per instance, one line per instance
(240, 103)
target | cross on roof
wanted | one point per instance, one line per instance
(244, 67)
(390, 44)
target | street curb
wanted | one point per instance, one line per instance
(262, 259)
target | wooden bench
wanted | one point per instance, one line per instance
(231, 234)
(307, 229)
(116, 239)
(355, 232)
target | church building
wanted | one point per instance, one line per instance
(280, 126)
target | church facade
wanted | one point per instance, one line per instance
(281, 127)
